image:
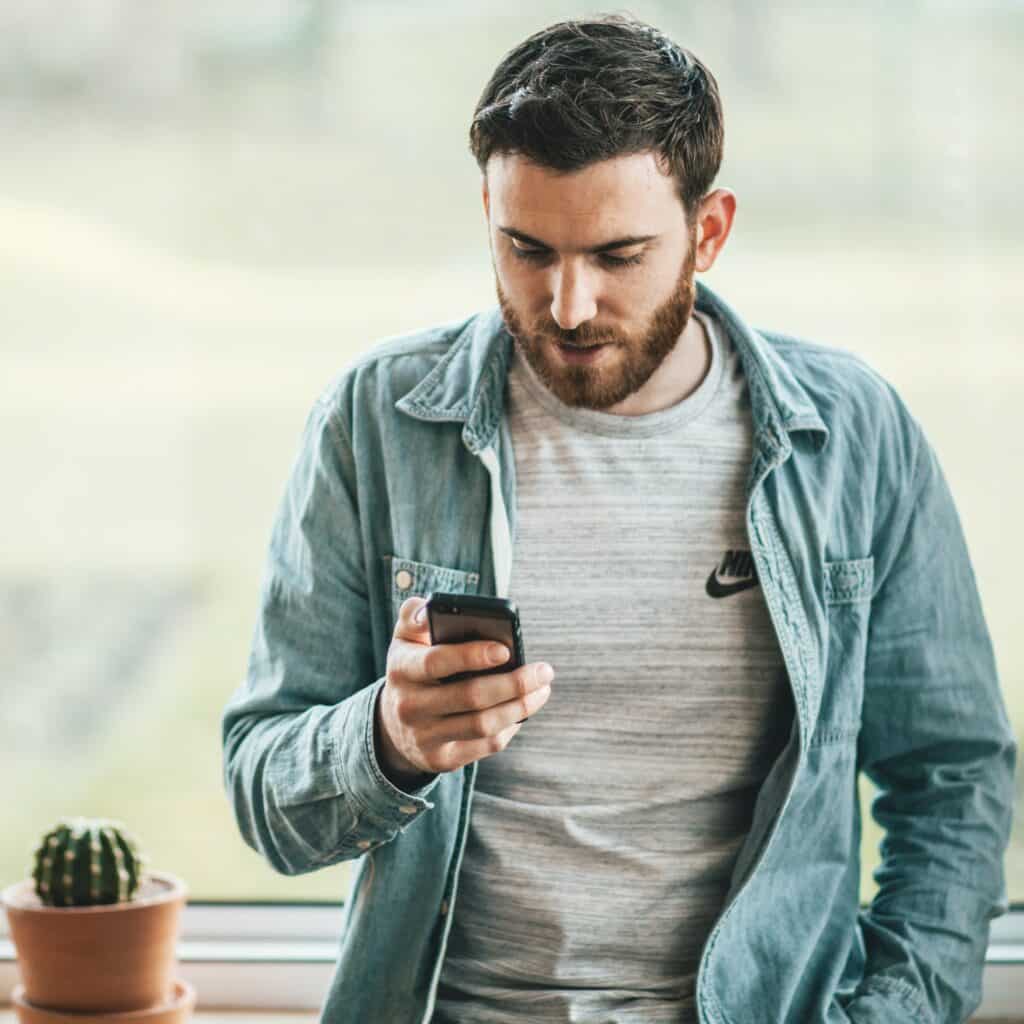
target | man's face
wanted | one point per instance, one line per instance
(601, 255)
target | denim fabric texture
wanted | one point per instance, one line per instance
(404, 483)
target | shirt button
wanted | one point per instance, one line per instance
(408, 808)
(364, 844)
(404, 579)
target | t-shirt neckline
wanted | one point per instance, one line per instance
(610, 424)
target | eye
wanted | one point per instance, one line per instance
(609, 260)
(622, 261)
(530, 255)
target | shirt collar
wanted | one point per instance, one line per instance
(468, 383)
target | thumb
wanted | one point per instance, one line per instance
(409, 625)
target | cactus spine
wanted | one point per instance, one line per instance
(82, 862)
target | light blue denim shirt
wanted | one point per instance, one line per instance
(404, 483)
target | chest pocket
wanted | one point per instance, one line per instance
(408, 578)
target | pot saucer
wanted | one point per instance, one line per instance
(177, 1010)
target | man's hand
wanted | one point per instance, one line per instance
(424, 726)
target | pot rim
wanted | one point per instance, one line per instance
(16, 897)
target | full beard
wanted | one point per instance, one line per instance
(601, 386)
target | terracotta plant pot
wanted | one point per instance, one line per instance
(109, 958)
(177, 1010)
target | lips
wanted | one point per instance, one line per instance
(581, 356)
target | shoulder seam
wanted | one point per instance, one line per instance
(334, 422)
(792, 341)
(373, 357)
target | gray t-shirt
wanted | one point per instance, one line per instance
(602, 839)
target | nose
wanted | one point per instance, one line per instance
(573, 299)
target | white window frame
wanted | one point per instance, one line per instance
(280, 956)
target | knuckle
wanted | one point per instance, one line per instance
(403, 706)
(476, 699)
(431, 659)
(445, 759)
(478, 725)
(402, 660)
(495, 743)
(524, 684)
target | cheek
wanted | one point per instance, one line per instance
(633, 295)
(646, 293)
(525, 287)
(664, 278)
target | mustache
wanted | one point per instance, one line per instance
(585, 334)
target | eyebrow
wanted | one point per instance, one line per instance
(618, 243)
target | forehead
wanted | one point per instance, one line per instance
(625, 195)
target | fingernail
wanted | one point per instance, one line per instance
(546, 673)
(421, 615)
(497, 653)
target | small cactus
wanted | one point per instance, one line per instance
(82, 862)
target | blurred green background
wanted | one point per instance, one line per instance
(207, 210)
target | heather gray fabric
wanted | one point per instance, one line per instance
(602, 840)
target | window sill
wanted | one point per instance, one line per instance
(224, 1017)
(280, 957)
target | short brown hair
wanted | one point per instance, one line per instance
(590, 89)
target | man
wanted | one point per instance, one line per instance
(740, 553)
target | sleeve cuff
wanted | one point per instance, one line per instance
(368, 784)
(884, 1000)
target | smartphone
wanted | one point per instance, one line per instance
(459, 618)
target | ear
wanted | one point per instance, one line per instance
(486, 198)
(714, 222)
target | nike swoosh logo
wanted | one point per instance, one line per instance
(716, 588)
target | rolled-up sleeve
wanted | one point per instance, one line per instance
(304, 785)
